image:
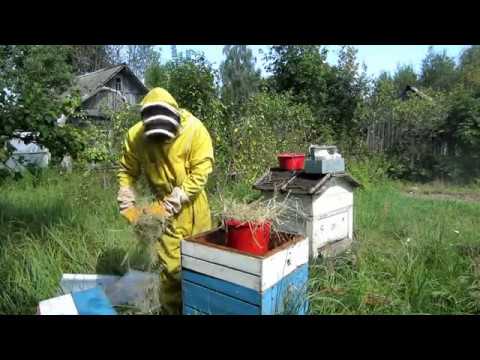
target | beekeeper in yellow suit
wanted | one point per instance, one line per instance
(174, 150)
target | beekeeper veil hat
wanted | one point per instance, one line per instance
(160, 114)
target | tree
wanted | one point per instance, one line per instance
(347, 87)
(191, 81)
(383, 84)
(303, 70)
(140, 57)
(115, 54)
(239, 78)
(469, 68)
(404, 76)
(438, 71)
(34, 79)
(156, 75)
(88, 58)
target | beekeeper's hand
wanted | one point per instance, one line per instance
(126, 203)
(131, 214)
(158, 209)
(174, 202)
(125, 197)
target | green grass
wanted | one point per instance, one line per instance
(62, 224)
(411, 256)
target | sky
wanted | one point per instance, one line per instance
(378, 58)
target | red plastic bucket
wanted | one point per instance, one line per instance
(289, 161)
(250, 237)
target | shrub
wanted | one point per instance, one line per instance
(270, 123)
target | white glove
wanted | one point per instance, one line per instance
(126, 197)
(173, 202)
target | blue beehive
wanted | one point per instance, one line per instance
(218, 280)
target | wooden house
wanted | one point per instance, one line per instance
(108, 89)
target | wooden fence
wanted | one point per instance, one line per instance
(384, 136)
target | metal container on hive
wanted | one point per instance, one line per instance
(321, 197)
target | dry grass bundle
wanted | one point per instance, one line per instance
(257, 211)
(143, 253)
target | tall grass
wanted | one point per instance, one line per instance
(410, 256)
(54, 225)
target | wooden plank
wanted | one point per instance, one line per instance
(329, 229)
(221, 272)
(335, 248)
(289, 295)
(77, 282)
(215, 303)
(61, 305)
(245, 263)
(332, 199)
(338, 211)
(187, 310)
(275, 267)
(222, 286)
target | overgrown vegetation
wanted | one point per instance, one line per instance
(402, 262)
(304, 100)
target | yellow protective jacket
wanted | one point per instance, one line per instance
(183, 162)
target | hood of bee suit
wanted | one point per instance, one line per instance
(160, 114)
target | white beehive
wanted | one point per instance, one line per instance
(320, 207)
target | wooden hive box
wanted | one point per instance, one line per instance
(323, 205)
(218, 280)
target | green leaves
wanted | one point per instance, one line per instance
(438, 71)
(239, 78)
(191, 81)
(36, 78)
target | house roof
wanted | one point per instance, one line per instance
(299, 182)
(413, 89)
(89, 84)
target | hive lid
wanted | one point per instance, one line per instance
(276, 179)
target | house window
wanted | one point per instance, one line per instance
(118, 84)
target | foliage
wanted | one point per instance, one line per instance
(191, 81)
(140, 57)
(303, 70)
(469, 69)
(239, 77)
(34, 82)
(404, 76)
(89, 58)
(105, 141)
(418, 127)
(332, 92)
(369, 169)
(438, 71)
(156, 75)
(269, 124)
(347, 89)
(461, 131)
